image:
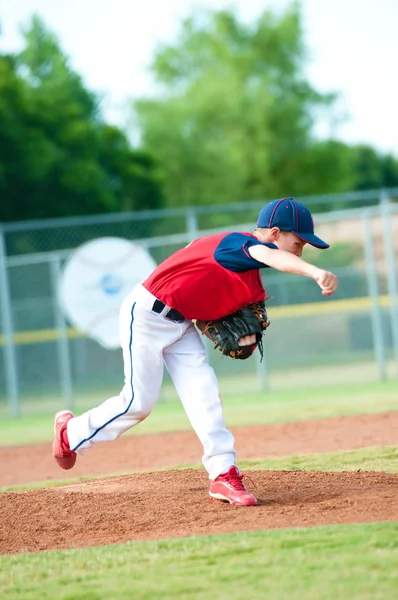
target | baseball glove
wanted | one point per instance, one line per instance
(225, 332)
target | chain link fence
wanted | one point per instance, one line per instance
(45, 364)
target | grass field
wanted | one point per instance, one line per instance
(234, 382)
(345, 562)
(255, 408)
(349, 562)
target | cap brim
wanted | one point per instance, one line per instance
(312, 239)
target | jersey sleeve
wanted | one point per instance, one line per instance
(232, 252)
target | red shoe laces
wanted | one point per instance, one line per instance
(235, 480)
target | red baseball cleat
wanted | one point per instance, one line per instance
(228, 486)
(64, 456)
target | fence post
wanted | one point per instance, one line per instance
(64, 363)
(192, 224)
(391, 270)
(373, 288)
(262, 371)
(10, 361)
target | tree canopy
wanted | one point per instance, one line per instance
(232, 120)
(57, 156)
(234, 116)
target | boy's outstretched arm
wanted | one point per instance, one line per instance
(290, 263)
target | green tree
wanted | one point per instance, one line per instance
(235, 113)
(58, 157)
(372, 169)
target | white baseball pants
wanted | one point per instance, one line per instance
(148, 340)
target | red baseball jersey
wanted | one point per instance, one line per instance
(211, 277)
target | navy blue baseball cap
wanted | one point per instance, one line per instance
(289, 215)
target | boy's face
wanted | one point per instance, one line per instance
(290, 243)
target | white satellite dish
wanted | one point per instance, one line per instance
(94, 282)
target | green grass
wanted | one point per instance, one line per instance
(382, 458)
(254, 408)
(350, 562)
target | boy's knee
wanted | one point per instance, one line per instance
(136, 409)
(141, 415)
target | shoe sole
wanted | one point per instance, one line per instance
(225, 499)
(62, 462)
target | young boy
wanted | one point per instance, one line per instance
(208, 279)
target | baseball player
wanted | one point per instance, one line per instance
(211, 277)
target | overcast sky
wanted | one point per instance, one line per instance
(353, 47)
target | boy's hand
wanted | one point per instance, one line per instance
(327, 281)
(247, 340)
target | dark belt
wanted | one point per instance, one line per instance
(173, 314)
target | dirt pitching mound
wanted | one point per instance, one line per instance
(157, 505)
